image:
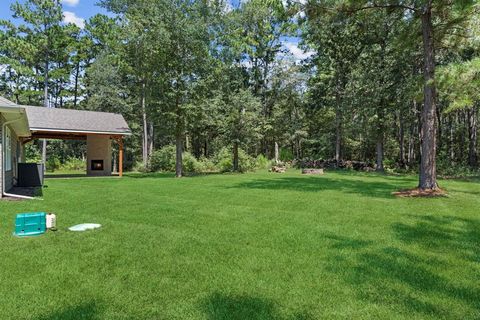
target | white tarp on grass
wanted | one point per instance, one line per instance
(85, 227)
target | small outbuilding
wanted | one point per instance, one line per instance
(21, 124)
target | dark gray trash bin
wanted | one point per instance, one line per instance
(30, 175)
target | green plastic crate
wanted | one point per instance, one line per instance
(30, 224)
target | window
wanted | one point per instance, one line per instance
(8, 149)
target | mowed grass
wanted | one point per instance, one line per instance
(252, 246)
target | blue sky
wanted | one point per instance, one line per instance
(77, 11)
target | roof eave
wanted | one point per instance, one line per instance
(116, 133)
(22, 130)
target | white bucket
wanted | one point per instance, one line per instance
(51, 221)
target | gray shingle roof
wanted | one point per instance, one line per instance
(68, 120)
(6, 103)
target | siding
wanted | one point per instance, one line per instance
(11, 175)
(2, 120)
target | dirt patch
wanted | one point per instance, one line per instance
(417, 192)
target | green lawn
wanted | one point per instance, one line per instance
(253, 246)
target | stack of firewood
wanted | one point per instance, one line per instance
(278, 169)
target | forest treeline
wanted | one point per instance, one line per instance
(393, 83)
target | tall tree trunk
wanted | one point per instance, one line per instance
(277, 153)
(115, 167)
(401, 140)
(439, 129)
(451, 149)
(235, 156)
(75, 91)
(472, 130)
(178, 158)
(379, 165)
(462, 119)
(428, 172)
(179, 140)
(380, 137)
(338, 128)
(151, 140)
(45, 104)
(187, 144)
(144, 126)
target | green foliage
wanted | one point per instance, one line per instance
(205, 165)
(53, 164)
(460, 83)
(262, 162)
(449, 170)
(212, 76)
(190, 163)
(286, 155)
(138, 166)
(73, 164)
(224, 160)
(32, 154)
(163, 159)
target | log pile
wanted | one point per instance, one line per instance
(312, 171)
(332, 164)
(278, 169)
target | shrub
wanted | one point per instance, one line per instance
(448, 169)
(286, 155)
(163, 159)
(190, 163)
(32, 154)
(261, 162)
(139, 167)
(206, 165)
(246, 162)
(73, 164)
(224, 160)
(53, 163)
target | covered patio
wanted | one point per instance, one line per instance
(23, 124)
(98, 129)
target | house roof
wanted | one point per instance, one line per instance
(75, 121)
(62, 121)
(6, 103)
(15, 116)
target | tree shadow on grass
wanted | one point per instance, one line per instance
(401, 279)
(86, 311)
(364, 185)
(458, 235)
(341, 243)
(152, 175)
(240, 307)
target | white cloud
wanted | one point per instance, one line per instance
(228, 7)
(71, 17)
(71, 3)
(301, 2)
(298, 53)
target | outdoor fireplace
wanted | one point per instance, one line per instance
(97, 165)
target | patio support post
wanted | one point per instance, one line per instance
(120, 156)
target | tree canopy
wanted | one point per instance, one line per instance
(393, 84)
